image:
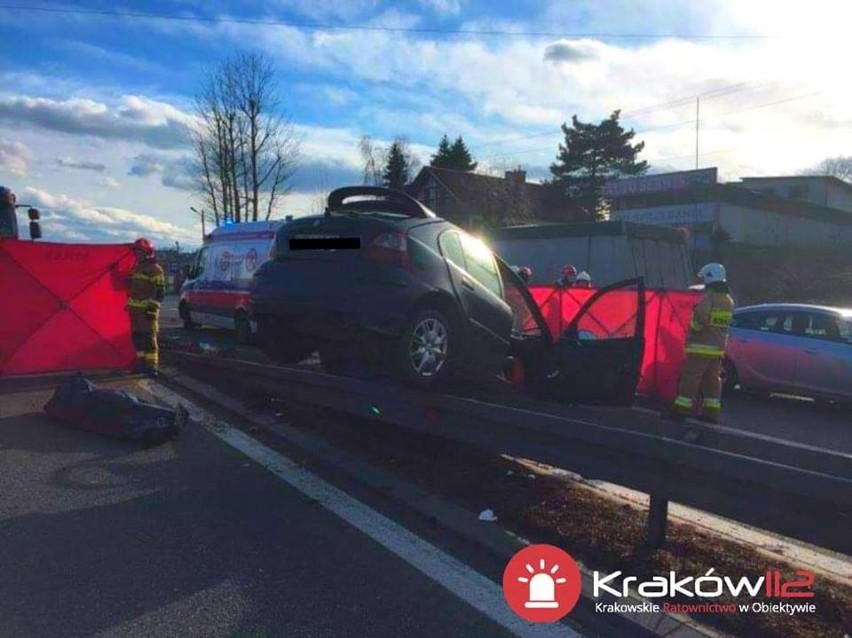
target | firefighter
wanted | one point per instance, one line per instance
(705, 348)
(524, 272)
(568, 278)
(584, 280)
(147, 289)
(8, 219)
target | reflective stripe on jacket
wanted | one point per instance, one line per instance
(708, 329)
(147, 287)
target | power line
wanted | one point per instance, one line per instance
(388, 29)
(684, 123)
(712, 94)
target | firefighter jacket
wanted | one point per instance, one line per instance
(708, 329)
(147, 288)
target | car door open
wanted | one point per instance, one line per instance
(598, 358)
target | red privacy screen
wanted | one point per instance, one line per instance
(64, 307)
(667, 315)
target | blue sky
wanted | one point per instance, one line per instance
(94, 108)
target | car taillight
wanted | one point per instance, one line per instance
(389, 248)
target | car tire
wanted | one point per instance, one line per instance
(281, 343)
(242, 327)
(425, 354)
(188, 323)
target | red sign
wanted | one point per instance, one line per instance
(660, 183)
(542, 583)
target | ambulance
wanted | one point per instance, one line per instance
(216, 292)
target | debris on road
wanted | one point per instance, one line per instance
(80, 404)
(488, 516)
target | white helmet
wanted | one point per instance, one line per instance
(711, 273)
(584, 276)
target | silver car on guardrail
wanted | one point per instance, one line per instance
(793, 348)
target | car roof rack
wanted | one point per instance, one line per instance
(386, 200)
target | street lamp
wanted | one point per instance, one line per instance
(201, 215)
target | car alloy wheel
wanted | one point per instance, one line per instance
(428, 348)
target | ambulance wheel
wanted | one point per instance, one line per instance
(188, 323)
(242, 327)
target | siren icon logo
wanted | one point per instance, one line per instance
(542, 583)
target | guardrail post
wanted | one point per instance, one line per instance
(658, 511)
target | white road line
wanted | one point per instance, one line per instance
(466, 583)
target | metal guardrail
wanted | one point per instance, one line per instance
(794, 490)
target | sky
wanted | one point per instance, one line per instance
(96, 97)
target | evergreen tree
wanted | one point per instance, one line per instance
(460, 157)
(442, 158)
(397, 172)
(593, 154)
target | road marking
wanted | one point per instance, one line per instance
(467, 584)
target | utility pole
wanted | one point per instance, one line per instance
(201, 215)
(697, 112)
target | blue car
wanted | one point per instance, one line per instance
(380, 277)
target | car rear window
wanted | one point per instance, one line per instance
(481, 264)
(451, 249)
(473, 256)
(826, 327)
(765, 321)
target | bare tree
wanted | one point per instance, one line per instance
(374, 159)
(840, 167)
(319, 199)
(246, 150)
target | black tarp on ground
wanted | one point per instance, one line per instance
(78, 403)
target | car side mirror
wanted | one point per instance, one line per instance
(35, 230)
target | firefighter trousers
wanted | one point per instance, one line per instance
(700, 375)
(143, 330)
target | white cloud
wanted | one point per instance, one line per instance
(65, 218)
(571, 51)
(134, 118)
(83, 165)
(175, 170)
(14, 157)
(443, 7)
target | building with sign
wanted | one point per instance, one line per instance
(810, 211)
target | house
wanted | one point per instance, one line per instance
(804, 211)
(472, 200)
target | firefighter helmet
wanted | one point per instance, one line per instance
(144, 246)
(569, 272)
(7, 196)
(712, 273)
(584, 280)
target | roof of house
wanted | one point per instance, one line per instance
(480, 190)
(586, 229)
(830, 178)
(737, 194)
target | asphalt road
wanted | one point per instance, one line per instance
(786, 418)
(99, 538)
